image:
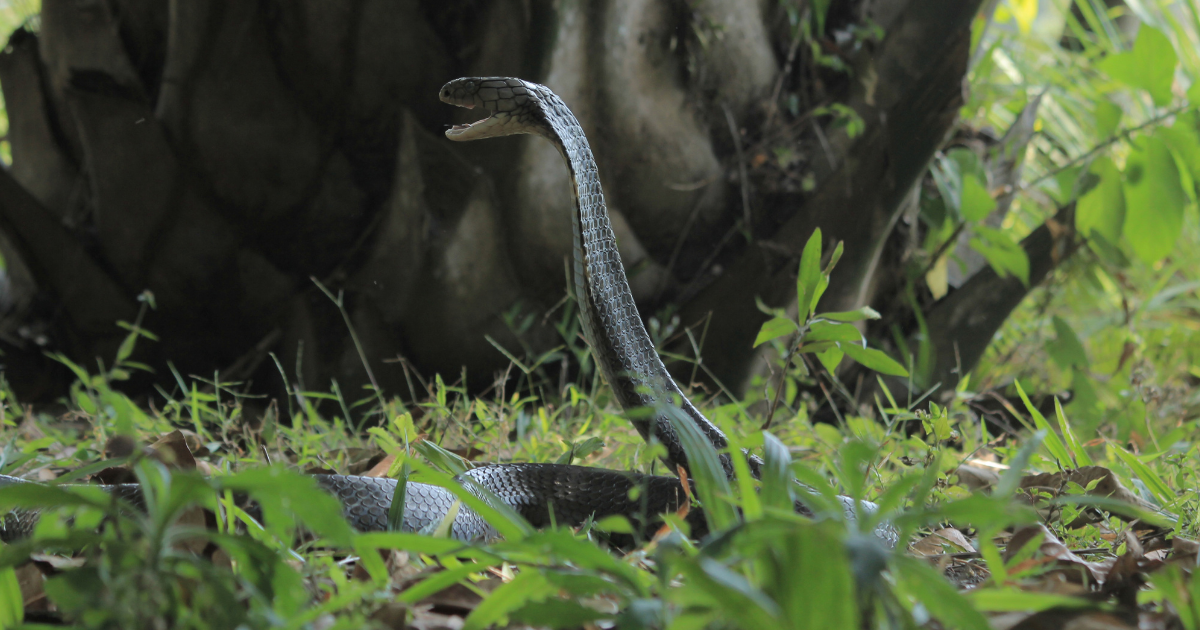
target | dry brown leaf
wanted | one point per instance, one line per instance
(942, 541)
(381, 468)
(1107, 485)
(31, 580)
(1052, 548)
(977, 477)
(172, 450)
(393, 615)
(425, 619)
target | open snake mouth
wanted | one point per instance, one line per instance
(490, 127)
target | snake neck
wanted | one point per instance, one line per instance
(620, 344)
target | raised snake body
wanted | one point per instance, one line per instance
(567, 495)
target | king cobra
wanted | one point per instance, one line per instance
(546, 493)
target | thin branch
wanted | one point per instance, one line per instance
(1120, 135)
(941, 250)
(969, 555)
(743, 176)
(793, 345)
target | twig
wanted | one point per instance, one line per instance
(742, 174)
(793, 345)
(683, 234)
(1123, 134)
(968, 555)
(941, 250)
(362, 355)
(787, 69)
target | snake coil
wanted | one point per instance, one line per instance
(542, 493)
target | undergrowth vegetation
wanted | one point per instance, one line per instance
(1086, 511)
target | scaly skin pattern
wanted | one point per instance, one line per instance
(611, 324)
(544, 493)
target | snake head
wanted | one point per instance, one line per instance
(506, 99)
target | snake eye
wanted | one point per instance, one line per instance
(470, 85)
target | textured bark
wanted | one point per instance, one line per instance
(908, 108)
(967, 319)
(224, 154)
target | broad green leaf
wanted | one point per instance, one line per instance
(614, 523)
(1011, 599)
(777, 476)
(1108, 117)
(528, 586)
(874, 359)
(865, 312)
(832, 331)
(809, 274)
(1003, 253)
(735, 595)
(775, 328)
(977, 203)
(12, 607)
(831, 358)
(36, 495)
(558, 613)
(1154, 200)
(1066, 349)
(814, 565)
(1184, 143)
(438, 582)
(282, 492)
(1149, 66)
(1102, 209)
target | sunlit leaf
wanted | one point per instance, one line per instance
(1003, 253)
(809, 274)
(1024, 12)
(832, 331)
(1184, 143)
(977, 203)
(865, 312)
(1154, 200)
(1108, 117)
(873, 359)
(1149, 66)
(1066, 349)
(12, 608)
(775, 328)
(525, 587)
(1011, 599)
(1102, 209)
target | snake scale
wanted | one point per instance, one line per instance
(545, 493)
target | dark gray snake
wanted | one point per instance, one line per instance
(542, 493)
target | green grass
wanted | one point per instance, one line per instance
(765, 567)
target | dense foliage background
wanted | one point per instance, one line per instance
(1033, 434)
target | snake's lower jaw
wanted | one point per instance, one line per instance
(494, 126)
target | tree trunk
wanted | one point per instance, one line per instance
(230, 156)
